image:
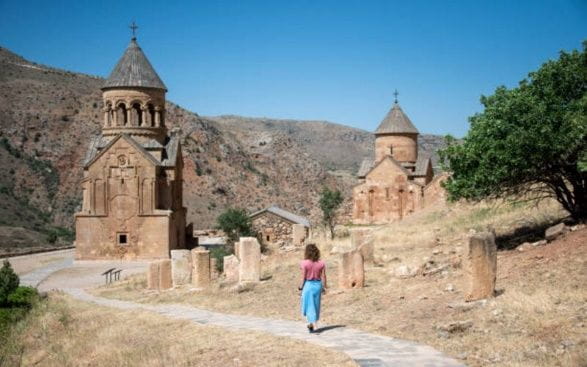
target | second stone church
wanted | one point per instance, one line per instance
(398, 180)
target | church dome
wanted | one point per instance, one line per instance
(396, 122)
(134, 70)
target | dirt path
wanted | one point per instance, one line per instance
(368, 350)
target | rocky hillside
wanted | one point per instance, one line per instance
(336, 147)
(47, 117)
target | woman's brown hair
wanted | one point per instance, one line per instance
(312, 252)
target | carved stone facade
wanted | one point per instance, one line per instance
(132, 185)
(398, 180)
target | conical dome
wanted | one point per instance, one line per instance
(396, 122)
(134, 70)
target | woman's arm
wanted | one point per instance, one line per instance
(324, 282)
(303, 280)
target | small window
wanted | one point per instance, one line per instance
(268, 238)
(122, 239)
(390, 150)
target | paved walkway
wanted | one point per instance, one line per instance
(368, 350)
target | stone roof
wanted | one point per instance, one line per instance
(422, 164)
(134, 70)
(396, 122)
(170, 151)
(290, 217)
(366, 166)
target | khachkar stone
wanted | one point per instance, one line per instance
(165, 281)
(249, 251)
(362, 240)
(132, 198)
(213, 268)
(181, 267)
(351, 270)
(201, 270)
(153, 276)
(481, 266)
(230, 266)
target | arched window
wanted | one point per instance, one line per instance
(137, 115)
(151, 118)
(391, 151)
(122, 116)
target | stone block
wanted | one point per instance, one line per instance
(553, 232)
(181, 267)
(165, 279)
(153, 276)
(230, 265)
(362, 239)
(351, 270)
(298, 234)
(201, 268)
(249, 269)
(481, 266)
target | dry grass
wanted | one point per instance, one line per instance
(539, 320)
(66, 332)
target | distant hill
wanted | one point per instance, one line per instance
(335, 146)
(48, 116)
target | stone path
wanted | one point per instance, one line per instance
(368, 350)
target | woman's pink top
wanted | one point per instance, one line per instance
(312, 270)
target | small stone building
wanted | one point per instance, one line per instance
(279, 228)
(132, 184)
(398, 180)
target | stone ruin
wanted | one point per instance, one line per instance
(481, 266)
(181, 269)
(351, 270)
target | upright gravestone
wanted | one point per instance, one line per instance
(481, 266)
(213, 268)
(362, 239)
(201, 270)
(230, 265)
(351, 270)
(249, 251)
(181, 267)
(153, 276)
(165, 280)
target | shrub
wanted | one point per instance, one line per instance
(235, 223)
(8, 282)
(218, 253)
(23, 297)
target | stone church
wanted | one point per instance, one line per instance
(397, 181)
(132, 178)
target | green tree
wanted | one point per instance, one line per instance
(530, 141)
(8, 282)
(330, 200)
(235, 223)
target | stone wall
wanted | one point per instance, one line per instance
(275, 232)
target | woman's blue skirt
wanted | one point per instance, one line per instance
(311, 300)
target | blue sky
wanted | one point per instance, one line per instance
(324, 60)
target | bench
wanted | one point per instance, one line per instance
(112, 272)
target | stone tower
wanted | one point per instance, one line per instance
(397, 137)
(132, 185)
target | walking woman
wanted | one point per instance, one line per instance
(312, 285)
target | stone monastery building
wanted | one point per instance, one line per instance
(398, 181)
(132, 185)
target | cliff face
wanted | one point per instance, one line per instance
(48, 116)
